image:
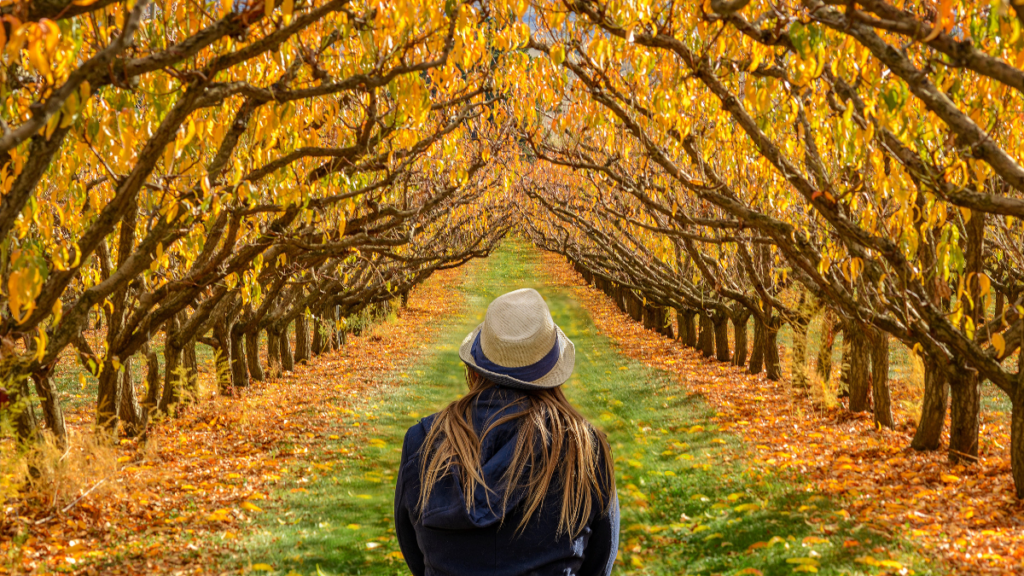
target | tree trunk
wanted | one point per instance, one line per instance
(287, 361)
(706, 336)
(1017, 440)
(859, 363)
(174, 378)
(302, 337)
(128, 410)
(665, 323)
(239, 371)
(635, 306)
(739, 330)
(333, 331)
(190, 364)
(273, 353)
(26, 427)
(772, 363)
(828, 340)
(879, 341)
(846, 365)
(964, 415)
(317, 347)
(106, 397)
(687, 331)
(720, 322)
(933, 408)
(252, 354)
(53, 416)
(222, 355)
(152, 383)
(647, 315)
(799, 369)
(757, 352)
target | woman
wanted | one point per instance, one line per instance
(510, 479)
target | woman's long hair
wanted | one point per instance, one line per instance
(556, 443)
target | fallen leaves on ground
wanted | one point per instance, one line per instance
(175, 503)
(965, 516)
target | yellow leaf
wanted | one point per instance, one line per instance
(262, 567)
(557, 55)
(999, 343)
(949, 478)
(250, 506)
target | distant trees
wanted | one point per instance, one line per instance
(712, 157)
(205, 175)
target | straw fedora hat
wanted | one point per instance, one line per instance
(518, 344)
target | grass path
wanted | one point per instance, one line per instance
(689, 504)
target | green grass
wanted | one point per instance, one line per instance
(688, 502)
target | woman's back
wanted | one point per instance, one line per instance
(448, 539)
(510, 479)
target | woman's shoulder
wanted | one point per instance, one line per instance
(417, 434)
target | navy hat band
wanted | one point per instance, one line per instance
(530, 373)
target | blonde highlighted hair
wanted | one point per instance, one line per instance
(557, 444)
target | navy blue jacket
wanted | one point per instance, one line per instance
(448, 540)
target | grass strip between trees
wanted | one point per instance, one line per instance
(690, 504)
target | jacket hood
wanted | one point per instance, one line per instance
(446, 508)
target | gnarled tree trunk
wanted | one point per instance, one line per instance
(53, 416)
(239, 370)
(720, 323)
(129, 411)
(174, 377)
(252, 354)
(828, 340)
(770, 344)
(739, 330)
(933, 408)
(706, 336)
(880, 397)
(152, 383)
(964, 415)
(274, 353)
(1017, 438)
(859, 364)
(190, 364)
(756, 364)
(285, 349)
(319, 342)
(302, 338)
(687, 330)
(799, 369)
